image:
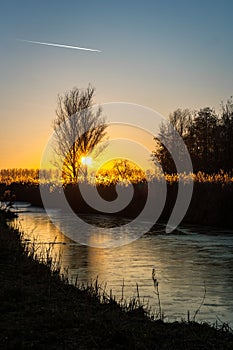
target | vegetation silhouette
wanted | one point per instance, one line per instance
(78, 130)
(208, 137)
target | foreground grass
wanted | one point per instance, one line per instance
(40, 310)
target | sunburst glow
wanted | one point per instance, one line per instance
(86, 161)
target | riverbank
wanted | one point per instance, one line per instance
(211, 203)
(39, 310)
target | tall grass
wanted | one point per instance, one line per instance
(107, 178)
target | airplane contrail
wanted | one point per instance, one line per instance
(59, 45)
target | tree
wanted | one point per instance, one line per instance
(179, 121)
(207, 135)
(78, 130)
(120, 171)
(226, 135)
(203, 140)
(200, 132)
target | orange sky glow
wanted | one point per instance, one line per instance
(163, 56)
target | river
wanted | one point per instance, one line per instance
(186, 263)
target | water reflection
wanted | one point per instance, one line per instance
(184, 263)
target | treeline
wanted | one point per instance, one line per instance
(207, 134)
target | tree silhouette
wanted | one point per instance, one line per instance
(226, 136)
(203, 140)
(207, 135)
(78, 130)
(120, 171)
(180, 121)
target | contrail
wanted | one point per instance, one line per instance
(60, 45)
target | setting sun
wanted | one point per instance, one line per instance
(86, 161)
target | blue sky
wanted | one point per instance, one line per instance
(161, 54)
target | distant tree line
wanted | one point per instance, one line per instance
(208, 137)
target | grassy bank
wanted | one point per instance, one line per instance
(40, 310)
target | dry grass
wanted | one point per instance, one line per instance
(109, 177)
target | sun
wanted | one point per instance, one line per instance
(86, 161)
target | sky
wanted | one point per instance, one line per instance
(161, 54)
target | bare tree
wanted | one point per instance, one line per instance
(78, 129)
(179, 121)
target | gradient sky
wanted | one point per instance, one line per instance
(163, 54)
